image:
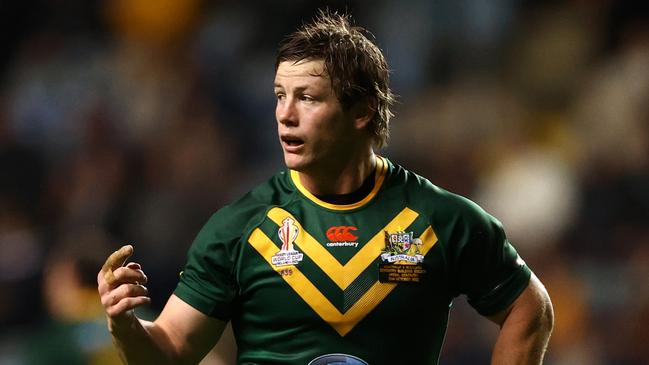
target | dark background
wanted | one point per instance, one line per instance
(131, 121)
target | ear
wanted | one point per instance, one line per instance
(363, 113)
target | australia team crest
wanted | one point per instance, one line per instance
(401, 259)
(401, 247)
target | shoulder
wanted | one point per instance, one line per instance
(444, 206)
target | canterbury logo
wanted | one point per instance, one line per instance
(341, 233)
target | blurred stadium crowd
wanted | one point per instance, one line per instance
(131, 121)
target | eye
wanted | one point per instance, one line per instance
(280, 96)
(307, 98)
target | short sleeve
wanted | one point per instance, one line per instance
(207, 281)
(487, 268)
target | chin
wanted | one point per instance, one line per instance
(294, 162)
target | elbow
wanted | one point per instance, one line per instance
(540, 312)
(543, 318)
(546, 321)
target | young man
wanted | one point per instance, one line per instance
(340, 256)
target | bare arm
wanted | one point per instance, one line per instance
(525, 327)
(225, 351)
(180, 335)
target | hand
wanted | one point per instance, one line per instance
(121, 287)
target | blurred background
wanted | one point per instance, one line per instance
(131, 121)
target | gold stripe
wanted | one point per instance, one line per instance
(341, 322)
(373, 248)
(428, 240)
(381, 169)
(343, 275)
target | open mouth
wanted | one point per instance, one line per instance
(292, 141)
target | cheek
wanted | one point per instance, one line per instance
(277, 113)
(326, 121)
(337, 127)
(323, 132)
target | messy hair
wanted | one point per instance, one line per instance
(355, 65)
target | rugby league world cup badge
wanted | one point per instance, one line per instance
(287, 255)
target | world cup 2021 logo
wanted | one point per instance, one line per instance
(287, 255)
(287, 234)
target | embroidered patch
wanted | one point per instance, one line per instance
(287, 255)
(401, 259)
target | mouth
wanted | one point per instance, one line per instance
(292, 143)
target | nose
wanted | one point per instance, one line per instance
(286, 112)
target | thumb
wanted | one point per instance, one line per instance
(114, 261)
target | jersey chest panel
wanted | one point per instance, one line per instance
(309, 269)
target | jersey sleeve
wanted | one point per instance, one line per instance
(207, 281)
(486, 266)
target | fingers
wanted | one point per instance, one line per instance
(127, 275)
(114, 261)
(124, 292)
(124, 298)
(125, 305)
(120, 287)
(134, 266)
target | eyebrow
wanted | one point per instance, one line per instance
(298, 88)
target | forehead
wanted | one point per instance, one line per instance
(307, 71)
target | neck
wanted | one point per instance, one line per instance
(343, 178)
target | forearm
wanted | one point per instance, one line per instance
(141, 342)
(525, 329)
(517, 344)
(180, 335)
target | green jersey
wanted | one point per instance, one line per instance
(308, 282)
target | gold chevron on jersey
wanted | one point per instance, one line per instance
(342, 275)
